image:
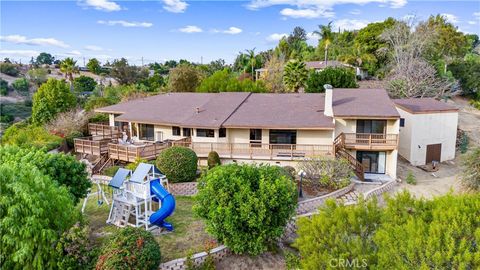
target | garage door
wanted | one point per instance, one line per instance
(434, 152)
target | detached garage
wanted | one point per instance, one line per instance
(428, 130)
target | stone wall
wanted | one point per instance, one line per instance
(379, 190)
(313, 203)
(217, 254)
(183, 189)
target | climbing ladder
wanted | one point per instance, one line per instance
(120, 214)
(341, 152)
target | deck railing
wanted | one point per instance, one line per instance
(258, 150)
(130, 153)
(371, 141)
(102, 129)
(94, 145)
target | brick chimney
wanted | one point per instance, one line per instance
(328, 111)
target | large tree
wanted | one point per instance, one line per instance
(295, 75)
(69, 67)
(34, 212)
(273, 74)
(45, 59)
(184, 78)
(51, 98)
(325, 37)
(93, 66)
(127, 74)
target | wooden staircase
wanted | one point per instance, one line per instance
(101, 163)
(341, 152)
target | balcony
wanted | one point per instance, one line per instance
(102, 129)
(131, 152)
(370, 141)
(258, 151)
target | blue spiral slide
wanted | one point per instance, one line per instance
(168, 205)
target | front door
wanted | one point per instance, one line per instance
(434, 152)
(373, 162)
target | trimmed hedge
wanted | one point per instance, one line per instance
(178, 163)
(213, 159)
(130, 248)
(246, 207)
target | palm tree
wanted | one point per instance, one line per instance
(326, 35)
(69, 66)
(295, 75)
(252, 60)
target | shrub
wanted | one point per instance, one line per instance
(74, 249)
(130, 248)
(37, 75)
(71, 137)
(24, 135)
(292, 261)
(9, 69)
(70, 123)
(3, 87)
(246, 207)
(179, 164)
(322, 172)
(34, 212)
(84, 84)
(98, 118)
(21, 85)
(61, 168)
(337, 77)
(52, 98)
(407, 233)
(132, 166)
(411, 178)
(471, 169)
(290, 171)
(226, 81)
(213, 159)
(6, 118)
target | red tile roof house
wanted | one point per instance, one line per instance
(361, 125)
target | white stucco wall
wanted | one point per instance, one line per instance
(323, 137)
(423, 129)
(111, 120)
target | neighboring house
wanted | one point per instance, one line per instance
(361, 125)
(321, 65)
(428, 130)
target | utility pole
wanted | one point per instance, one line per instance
(201, 60)
(84, 61)
(142, 61)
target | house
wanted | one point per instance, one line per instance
(321, 65)
(428, 130)
(361, 125)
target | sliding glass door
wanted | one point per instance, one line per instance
(372, 126)
(373, 162)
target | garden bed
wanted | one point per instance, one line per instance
(188, 237)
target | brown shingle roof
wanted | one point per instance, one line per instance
(356, 102)
(281, 111)
(423, 105)
(180, 109)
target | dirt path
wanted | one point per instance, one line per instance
(468, 119)
(264, 261)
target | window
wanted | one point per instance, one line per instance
(187, 132)
(371, 126)
(283, 136)
(146, 132)
(222, 133)
(255, 135)
(176, 131)
(402, 122)
(205, 133)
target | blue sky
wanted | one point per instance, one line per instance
(193, 30)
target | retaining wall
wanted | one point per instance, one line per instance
(217, 254)
(313, 203)
(183, 189)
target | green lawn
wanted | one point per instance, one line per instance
(188, 235)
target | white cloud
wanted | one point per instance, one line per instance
(450, 17)
(93, 48)
(355, 12)
(19, 53)
(190, 29)
(231, 31)
(18, 39)
(316, 8)
(74, 53)
(307, 13)
(477, 14)
(347, 24)
(126, 23)
(104, 5)
(472, 22)
(175, 6)
(276, 37)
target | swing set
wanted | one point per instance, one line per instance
(97, 180)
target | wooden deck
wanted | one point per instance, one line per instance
(102, 129)
(94, 145)
(130, 153)
(258, 151)
(370, 141)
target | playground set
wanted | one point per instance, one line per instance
(133, 194)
